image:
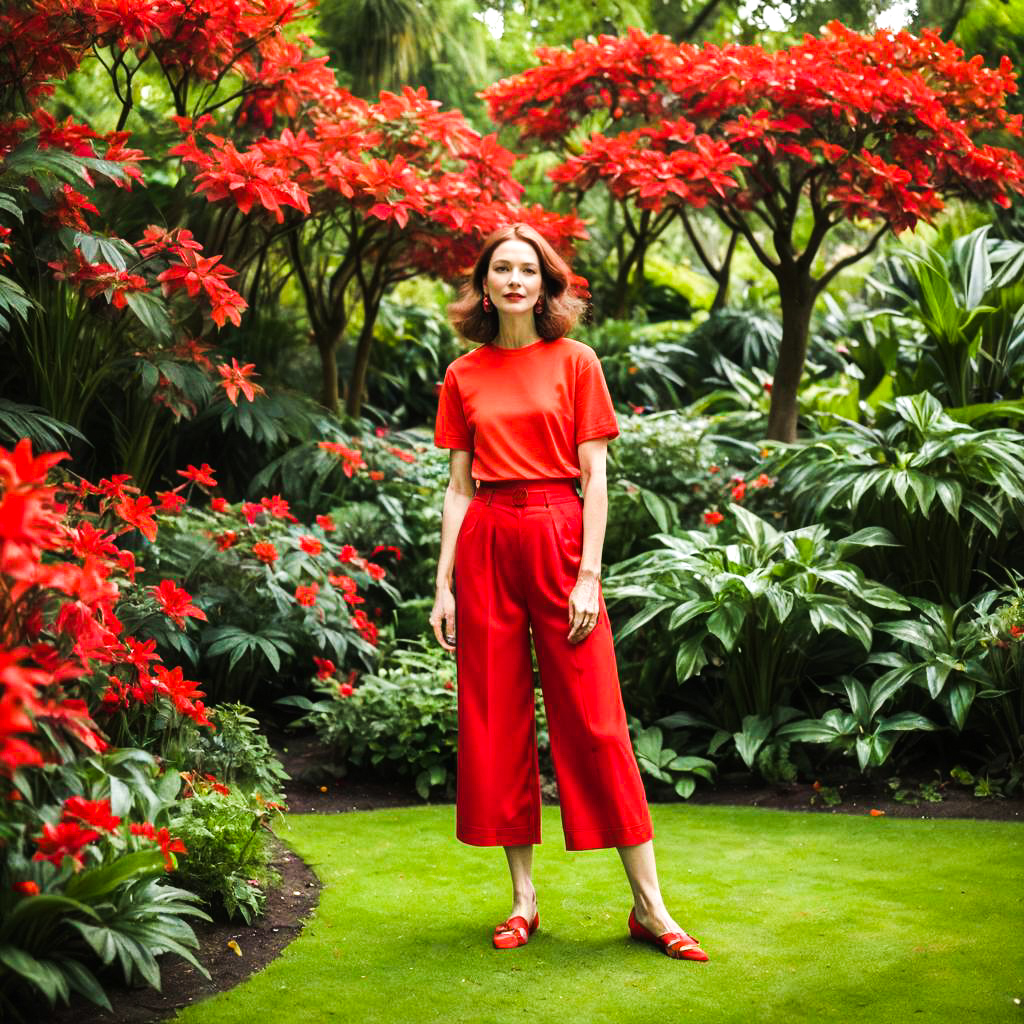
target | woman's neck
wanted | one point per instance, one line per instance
(517, 331)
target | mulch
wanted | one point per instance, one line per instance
(314, 789)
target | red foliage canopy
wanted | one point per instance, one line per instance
(418, 177)
(875, 127)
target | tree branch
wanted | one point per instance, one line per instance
(822, 283)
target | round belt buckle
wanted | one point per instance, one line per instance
(519, 496)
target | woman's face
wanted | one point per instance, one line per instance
(513, 281)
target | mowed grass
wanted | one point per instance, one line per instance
(806, 917)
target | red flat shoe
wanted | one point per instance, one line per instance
(514, 932)
(677, 945)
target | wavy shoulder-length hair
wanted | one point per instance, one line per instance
(562, 307)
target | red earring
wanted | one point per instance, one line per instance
(539, 308)
(487, 304)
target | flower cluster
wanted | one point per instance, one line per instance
(734, 489)
(65, 576)
(82, 822)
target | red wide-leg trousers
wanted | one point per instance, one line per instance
(516, 561)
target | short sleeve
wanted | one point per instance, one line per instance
(450, 428)
(595, 414)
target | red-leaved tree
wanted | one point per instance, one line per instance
(880, 130)
(363, 196)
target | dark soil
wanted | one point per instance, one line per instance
(315, 789)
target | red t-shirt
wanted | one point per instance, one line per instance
(523, 411)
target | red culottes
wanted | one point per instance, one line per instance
(516, 561)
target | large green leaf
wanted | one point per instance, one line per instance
(751, 737)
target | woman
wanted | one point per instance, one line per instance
(526, 414)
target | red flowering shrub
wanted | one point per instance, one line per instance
(72, 678)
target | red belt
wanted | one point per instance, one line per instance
(527, 492)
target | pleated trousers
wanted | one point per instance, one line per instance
(516, 561)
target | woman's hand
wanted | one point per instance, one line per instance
(443, 614)
(584, 606)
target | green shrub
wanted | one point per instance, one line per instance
(226, 833)
(402, 719)
(952, 495)
(755, 611)
(259, 638)
(237, 753)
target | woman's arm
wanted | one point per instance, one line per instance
(457, 497)
(584, 601)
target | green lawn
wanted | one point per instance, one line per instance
(806, 917)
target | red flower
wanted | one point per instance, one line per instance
(163, 839)
(265, 552)
(27, 887)
(403, 455)
(237, 378)
(226, 540)
(325, 668)
(95, 813)
(217, 787)
(68, 839)
(306, 596)
(377, 572)
(366, 628)
(352, 458)
(348, 553)
(739, 491)
(170, 501)
(219, 504)
(713, 518)
(1016, 631)
(326, 523)
(346, 690)
(278, 508)
(388, 547)
(764, 480)
(202, 476)
(126, 560)
(252, 511)
(310, 545)
(176, 603)
(138, 513)
(376, 475)
(714, 469)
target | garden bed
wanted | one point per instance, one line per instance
(288, 906)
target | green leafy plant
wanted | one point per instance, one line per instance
(863, 730)
(952, 495)
(962, 311)
(664, 764)
(753, 610)
(227, 834)
(237, 753)
(403, 717)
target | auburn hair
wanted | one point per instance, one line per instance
(562, 307)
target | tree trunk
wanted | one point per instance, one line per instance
(360, 365)
(721, 276)
(797, 295)
(328, 349)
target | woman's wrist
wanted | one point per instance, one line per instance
(589, 574)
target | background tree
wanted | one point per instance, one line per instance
(376, 193)
(782, 146)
